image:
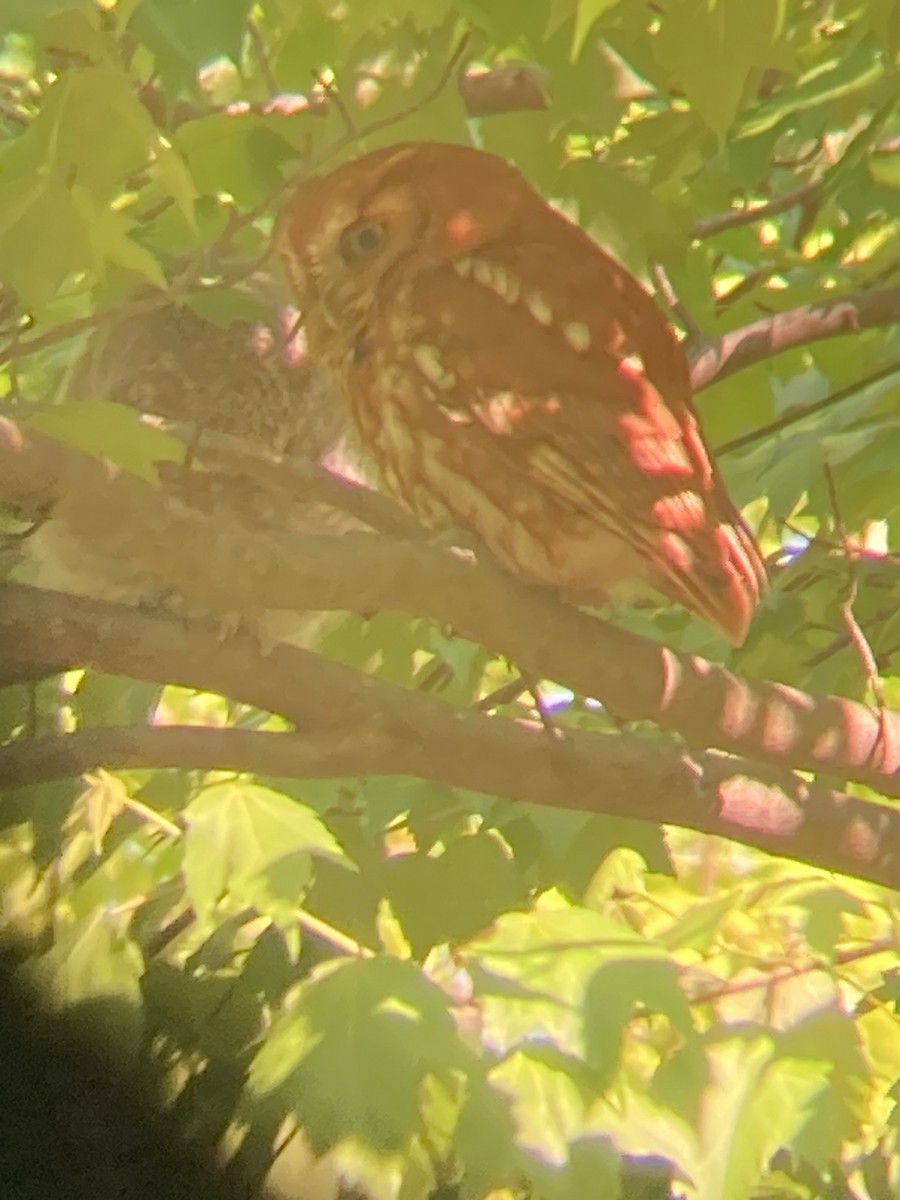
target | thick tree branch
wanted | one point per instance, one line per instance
(226, 568)
(765, 338)
(294, 480)
(350, 724)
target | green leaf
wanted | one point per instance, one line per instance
(174, 177)
(464, 658)
(831, 1037)
(451, 896)
(30, 14)
(237, 153)
(91, 963)
(79, 141)
(601, 969)
(753, 1104)
(616, 989)
(62, 173)
(842, 76)
(699, 925)
(255, 843)
(185, 34)
(626, 215)
(587, 12)
(385, 643)
(42, 240)
(111, 700)
(354, 1050)
(885, 169)
(109, 241)
(711, 46)
(547, 1105)
(637, 1124)
(111, 431)
(559, 11)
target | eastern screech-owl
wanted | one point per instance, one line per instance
(239, 379)
(509, 377)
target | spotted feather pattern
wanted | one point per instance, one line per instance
(509, 376)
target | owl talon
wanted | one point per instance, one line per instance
(230, 625)
(452, 539)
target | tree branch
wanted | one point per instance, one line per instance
(773, 335)
(708, 227)
(795, 415)
(228, 569)
(350, 724)
(811, 194)
(295, 480)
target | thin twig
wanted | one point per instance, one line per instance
(666, 289)
(843, 639)
(331, 90)
(164, 937)
(800, 414)
(746, 285)
(507, 694)
(799, 160)
(69, 329)
(765, 982)
(884, 274)
(151, 817)
(510, 692)
(545, 717)
(809, 195)
(708, 227)
(262, 56)
(16, 116)
(854, 630)
(336, 938)
(182, 283)
(410, 110)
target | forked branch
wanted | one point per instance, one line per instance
(349, 724)
(228, 569)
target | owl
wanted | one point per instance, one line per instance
(510, 378)
(240, 378)
(236, 379)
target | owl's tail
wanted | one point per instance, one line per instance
(720, 575)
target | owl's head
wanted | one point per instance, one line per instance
(349, 235)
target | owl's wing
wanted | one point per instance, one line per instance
(579, 385)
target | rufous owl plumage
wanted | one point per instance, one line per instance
(508, 377)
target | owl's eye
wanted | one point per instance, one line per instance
(360, 240)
